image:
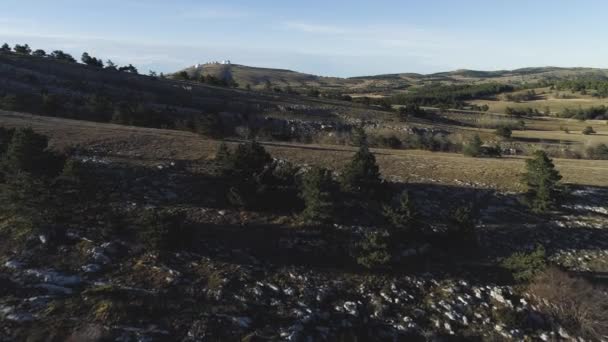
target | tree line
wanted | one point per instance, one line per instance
(59, 55)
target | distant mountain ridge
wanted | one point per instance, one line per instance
(258, 77)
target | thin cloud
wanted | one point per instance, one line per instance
(218, 13)
(317, 29)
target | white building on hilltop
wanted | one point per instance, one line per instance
(226, 62)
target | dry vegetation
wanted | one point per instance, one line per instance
(406, 165)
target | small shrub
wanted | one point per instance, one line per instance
(373, 251)
(473, 147)
(599, 152)
(163, 231)
(462, 225)
(28, 201)
(575, 303)
(525, 266)
(403, 216)
(588, 130)
(27, 152)
(358, 136)
(247, 169)
(247, 161)
(223, 154)
(504, 132)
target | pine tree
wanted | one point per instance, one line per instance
(362, 174)
(542, 180)
(473, 147)
(373, 251)
(222, 155)
(404, 216)
(25, 151)
(317, 187)
(359, 137)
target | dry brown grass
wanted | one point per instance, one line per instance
(146, 145)
(575, 303)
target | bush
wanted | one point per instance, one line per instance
(504, 132)
(462, 225)
(473, 147)
(525, 266)
(403, 216)
(359, 137)
(27, 153)
(248, 169)
(599, 152)
(162, 231)
(247, 161)
(317, 193)
(588, 130)
(210, 126)
(223, 154)
(6, 135)
(362, 174)
(542, 181)
(575, 303)
(28, 201)
(373, 251)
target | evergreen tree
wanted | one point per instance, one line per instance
(111, 65)
(5, 48)
(373, 251)
(402, 217)
(504, 131)
(39, 53)
(542, 180)
(209, 125)
(248, 160)
(362, 174)
(26, 151)
(222, 155)
(62, 56)
(317, 188)
(23, 49)
(588, 130)
(473, 147)
(28, 201)
(358, 136)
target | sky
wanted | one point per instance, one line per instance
(328, 38)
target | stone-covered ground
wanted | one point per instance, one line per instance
(258, 277)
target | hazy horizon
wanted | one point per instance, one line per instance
(338, 39)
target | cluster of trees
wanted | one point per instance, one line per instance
(584, 85)
(411, 110)
(519, 112)
(91, 61)
(482, 108)
(591, 113)
(257, 181)
(66, 57)
(207, 79)
(529, 95)
(504, 132)
(453, 96)
(476, 148)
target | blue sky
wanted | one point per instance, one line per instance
(331, 38)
